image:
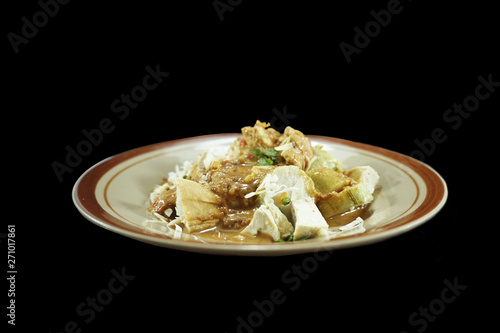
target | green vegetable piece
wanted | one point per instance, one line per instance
(286, 200)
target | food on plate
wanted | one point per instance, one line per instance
(266, 187)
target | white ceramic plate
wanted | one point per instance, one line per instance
(113, 193)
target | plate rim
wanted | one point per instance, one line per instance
(83, 195)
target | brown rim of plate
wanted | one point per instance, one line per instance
(84, 189)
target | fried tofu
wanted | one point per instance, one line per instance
(197, 206)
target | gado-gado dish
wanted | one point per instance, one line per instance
(267, 187)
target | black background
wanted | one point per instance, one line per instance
(225, 75)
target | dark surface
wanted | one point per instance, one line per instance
(225, 75)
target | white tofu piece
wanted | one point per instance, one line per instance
(366, 175)
(263, 222)
(284, 225)
(308, 220)
(268, 219)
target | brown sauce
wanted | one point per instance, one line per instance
(237, 218)
(232, 182)
(342, 219)
(219, 234)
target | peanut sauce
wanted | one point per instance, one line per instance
(342, 219)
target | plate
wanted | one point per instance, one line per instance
(113, 194)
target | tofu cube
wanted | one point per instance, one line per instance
(308, 220)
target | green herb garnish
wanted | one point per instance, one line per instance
(266, 157)
(265, 161)
(256, 152)
(271, 153)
